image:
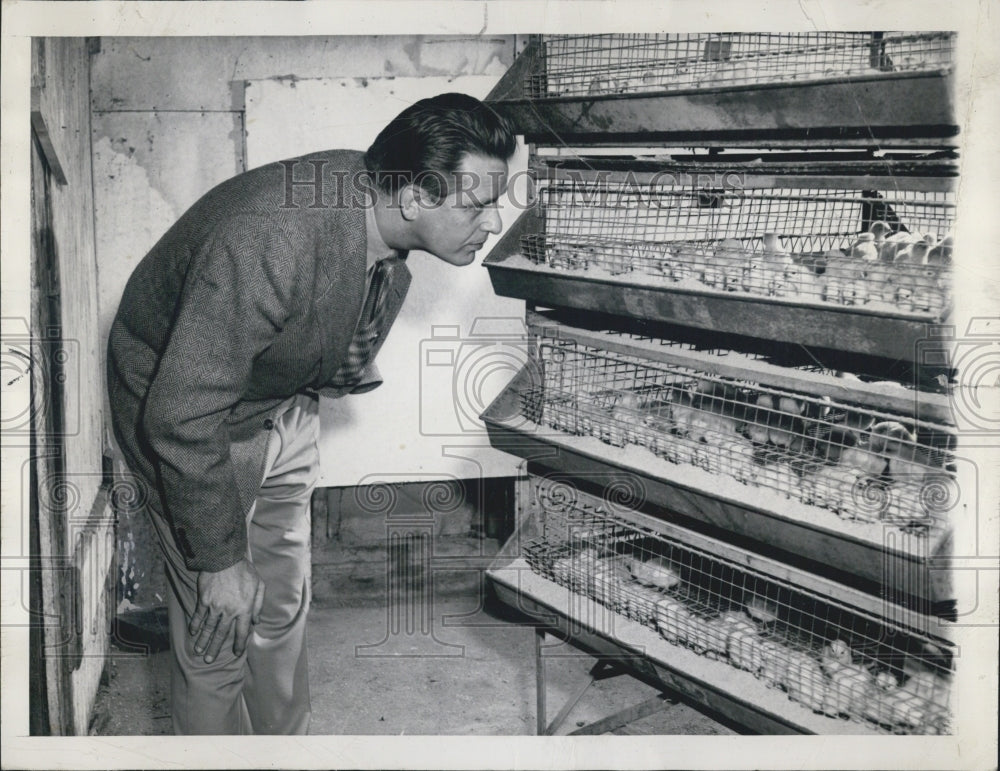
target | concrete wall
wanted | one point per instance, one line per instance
(168, 124)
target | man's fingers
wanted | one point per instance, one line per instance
(242, 633)
(207, 633)
(221, 633)
(258, 602)
(197, 620)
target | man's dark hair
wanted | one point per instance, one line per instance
(425, 143)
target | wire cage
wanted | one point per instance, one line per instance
(863, 464)
(830, 657)
(595, 65)
(890, 251)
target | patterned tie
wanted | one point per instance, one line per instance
(370, 324)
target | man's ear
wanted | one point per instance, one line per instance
(410, 201)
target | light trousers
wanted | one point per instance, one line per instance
(266, 689)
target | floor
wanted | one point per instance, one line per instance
(460, 665)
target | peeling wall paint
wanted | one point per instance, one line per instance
(148, 168)
(199, 73)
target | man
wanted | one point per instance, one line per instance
(278, 285)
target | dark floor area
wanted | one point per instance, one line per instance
(456, 665)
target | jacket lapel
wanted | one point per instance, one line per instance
(344, 268)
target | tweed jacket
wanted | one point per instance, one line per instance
(251, 297)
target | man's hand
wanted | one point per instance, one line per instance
(231, 596)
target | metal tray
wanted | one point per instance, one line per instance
(882, 108)
(707, 683)
(844, 328)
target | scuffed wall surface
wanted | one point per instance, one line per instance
(199, 73)
(148, 168)
(168, 125)
(75, 500)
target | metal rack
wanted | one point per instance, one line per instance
(842, 659)
(765, 533)
(589, 65)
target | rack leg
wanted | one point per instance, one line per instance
(539, 683)
(551, 729)
(601, 670)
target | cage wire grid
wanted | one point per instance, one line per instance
(595, 65)
(888, 250)
(830, 657)
(861, 463)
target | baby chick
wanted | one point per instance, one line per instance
(805, 681)
(829, 441)
(880, 280)
(893, 243)
(601, 85)
(880, 230)
(617, 259)
(843, 281)
(799, 281)
(756, 277)
(731, 260)
(912, 254)
(743, 643)
(864, 460)
(850, 689)
(654, 572)
(737, 458)
(907, 459)
(832, 487)
(625, 414)
(673, 620)
(865, 248)
(940, 254)
(835, 655)
(756, 429)
(762, 610)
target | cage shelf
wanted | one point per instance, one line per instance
(861, 270)
(848, 87)
(831, 651)
(829, 479)
(591, 65)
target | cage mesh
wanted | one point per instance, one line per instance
(829, 657)
(863, 464)
(888, 250)
(594, 65)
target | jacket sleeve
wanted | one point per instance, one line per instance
(236, 299)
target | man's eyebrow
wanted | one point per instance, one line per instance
(475, 200)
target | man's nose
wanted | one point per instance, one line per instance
(491, 221)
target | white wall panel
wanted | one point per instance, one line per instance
(423, 414)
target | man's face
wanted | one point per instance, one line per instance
(456, 226)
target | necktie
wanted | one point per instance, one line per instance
(369, 328)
